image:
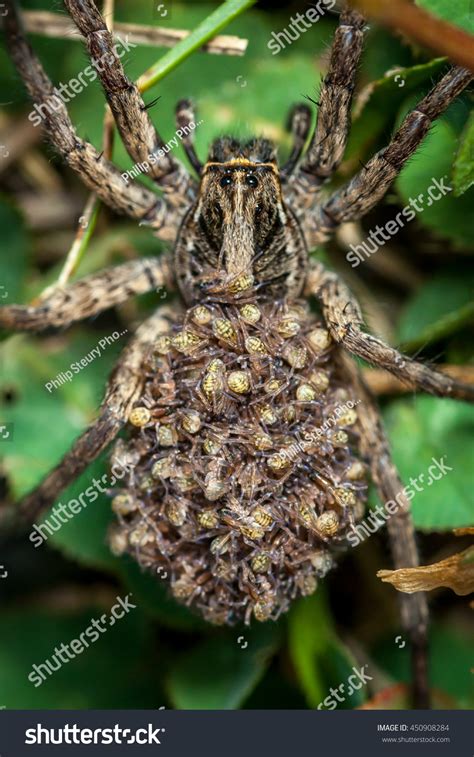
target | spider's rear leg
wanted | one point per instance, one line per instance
(89, 296)
(354, 199)
(299, 124)
(343, 317)
(123, 390)
(374, 446)
(185, 116)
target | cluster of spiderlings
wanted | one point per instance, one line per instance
(224, 491)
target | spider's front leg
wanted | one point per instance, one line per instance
(329, 140)
(123, 390)
(98, 174)
(134, 124)
(343, 317)
(375, 448)
(89, 296)
(353, 200)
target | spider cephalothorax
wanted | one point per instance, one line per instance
(240, 234)
(223, 490)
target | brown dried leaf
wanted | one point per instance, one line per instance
(468, 531)
(456, 572)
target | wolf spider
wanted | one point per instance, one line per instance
(241, 235)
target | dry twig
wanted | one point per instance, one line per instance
(381, 382)
(54, 25)
(421, 26)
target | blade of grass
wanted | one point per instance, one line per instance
(445, 326)
(212, 25)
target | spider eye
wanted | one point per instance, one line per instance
(251, 180)
(225, 181)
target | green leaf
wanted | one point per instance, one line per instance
(257, 109)
(384, 97)
(426, 429)
(34, 413)
(153, 594)
(58, 413)
(319, 658)
(458, 13)
(309, 638)
(84, 537)
(219, 673)
(116, 671)
(449, 216)
(463, 172)
(58, 416)
(446, 643)
(276, 691)
(441, 307)
(16, 246)
(382, 52)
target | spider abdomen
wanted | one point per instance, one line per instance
(245, 478)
